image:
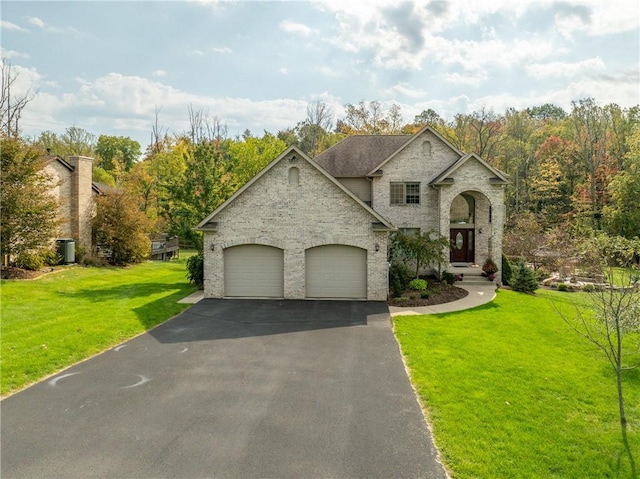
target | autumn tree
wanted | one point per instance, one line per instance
(622, 214)
(28, 217)
(370, 119)
(591, 135)
(206, 181)
(121, 228)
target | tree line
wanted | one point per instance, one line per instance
(575, 172)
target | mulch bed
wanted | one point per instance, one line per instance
(438, 294)
(11, 272)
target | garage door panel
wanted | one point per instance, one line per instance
(336, 271)
(254, 271)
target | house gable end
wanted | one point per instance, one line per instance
(292, 158)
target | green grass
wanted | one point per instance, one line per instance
(512, 392)
(61, 318)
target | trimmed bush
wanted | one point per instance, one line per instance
(30, 261)
(399, 277)
(424, 294)
(588, 288)
(448, 278)
(195, 270)
(507, 271)
(418, 284)
(563, 287)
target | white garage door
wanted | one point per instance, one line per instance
(254, 271)
(336, 271)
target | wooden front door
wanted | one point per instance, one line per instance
(462, 246)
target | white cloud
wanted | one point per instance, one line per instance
(117, 101)
(471, 79)
(221, 50)
(563, 69)
(12, 26)
(9, 54)
(284, 70)
(406, 90)
(35, 21)
(328, 72)
(40, 24)
(196, 53)
(159, 73)
(299, 28)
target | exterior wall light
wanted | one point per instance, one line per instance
(377, 247)
(212, 246)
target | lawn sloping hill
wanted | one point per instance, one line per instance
(59, 319)
(512, 392)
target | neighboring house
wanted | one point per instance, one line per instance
(319, 228)
(75, 192)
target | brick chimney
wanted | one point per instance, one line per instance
(82, 201)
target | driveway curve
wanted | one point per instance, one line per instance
(230, 388)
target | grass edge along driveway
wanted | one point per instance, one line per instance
(511, 391)
(60, 319)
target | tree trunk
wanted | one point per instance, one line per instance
(623, 417)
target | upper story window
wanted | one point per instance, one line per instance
(405, 193)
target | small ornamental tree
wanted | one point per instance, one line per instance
(122, 228)
(423, 249)
(611, 318)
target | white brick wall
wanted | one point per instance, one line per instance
(414, 164)
(294, 218)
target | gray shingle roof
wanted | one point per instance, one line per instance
(357, 155)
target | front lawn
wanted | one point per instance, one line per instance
(512, 392)
(61, 318)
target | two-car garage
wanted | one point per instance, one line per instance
(331, 272)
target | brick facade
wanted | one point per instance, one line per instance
(73, 189)
(278, 211)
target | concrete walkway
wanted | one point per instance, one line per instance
(479, 294)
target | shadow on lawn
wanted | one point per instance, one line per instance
(151, 313)
(629, 453)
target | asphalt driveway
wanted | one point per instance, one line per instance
(230, 388)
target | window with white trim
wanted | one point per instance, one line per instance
(405, 193)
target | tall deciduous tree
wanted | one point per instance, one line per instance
(622, 214)
(591, 134)
(117, 152)
(28, 216)
(12, 102)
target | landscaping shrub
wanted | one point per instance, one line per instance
(30, 261)
(448, 278)
(588, 288)
(51, 257)
(195, 270)
(563, 287)
(418, 284)
(399, 277)
(524, 279)
(506, 270)
(424, 294)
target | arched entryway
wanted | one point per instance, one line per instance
(470, 217)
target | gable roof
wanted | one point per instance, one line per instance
(51, 158)
(414, 138)
(500, 177)
(382, 223)
(357, 155)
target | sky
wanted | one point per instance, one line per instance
(108, 67)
